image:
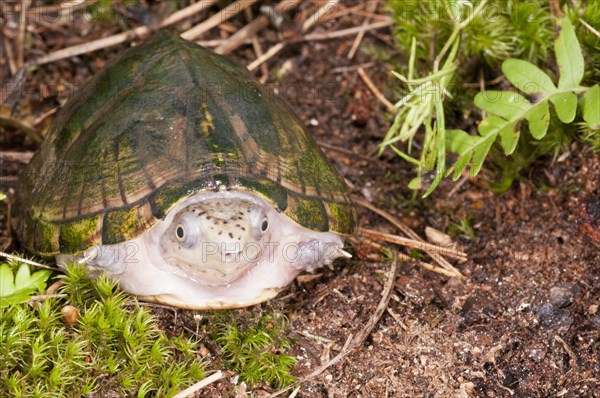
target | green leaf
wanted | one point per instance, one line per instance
(508, 131)
(415, 183)
(458, 141)
(506, 104)
(18, 288)
(565, 106)
(539, 119)
(527, 77)
(7, 281)
(591, 107)
(479, 154)
(2, 196)
(568, 56)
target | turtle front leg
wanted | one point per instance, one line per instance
(312, 254)
(110, 259)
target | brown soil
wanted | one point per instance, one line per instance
(524, 323)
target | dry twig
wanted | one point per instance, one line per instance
(352, 343)
(347, 32)
(140, 31)
(322, 14)
(404, 257)
(251, 29)
(589, 27)
(26, 261)
(406, 231)
(371, 9)
(10, 56)
(363, 75)
(415, 244)
(21, 32)
(223, 15)
(266, 56)
(218, 375)
(14, 156)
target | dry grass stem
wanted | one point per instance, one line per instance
(21, 32)
(589, 27)
(371, 7)
(223, 15)
(13, 156)
(406, 231)
(259, 53)
(404, 257)
(415, 244)
(26, 261)
(200, 385)
(140, 31)
(17, 124)
(347, 32)
(365, 78)
(10, 57)
(354, 342)
(251, 29)
(324, 13)
(266, 56)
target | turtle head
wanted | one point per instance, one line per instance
(217, 239)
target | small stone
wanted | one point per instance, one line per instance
(537, 355)
(561, 296)
(552, 317)
(595, 321)
(70, 315)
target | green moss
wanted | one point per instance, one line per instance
(308, 212)
(113, 349)
(120, 225)
(46, 237)
(76, 236)
(253, 344)
(166, 196)
(269, 189)
(342, 218)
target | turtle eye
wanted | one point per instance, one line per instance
(180, 233)
(265, 225)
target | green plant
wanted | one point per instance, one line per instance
(256, 350)
(430, 99)
(18, 288)
(504, 28)
(112, 348)
(462, 227)
(510, 111)
(425, 103)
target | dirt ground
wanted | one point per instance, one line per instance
(525, 322)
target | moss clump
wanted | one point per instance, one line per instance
(254, 348)
(113, 348)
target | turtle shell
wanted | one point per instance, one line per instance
(166, 120)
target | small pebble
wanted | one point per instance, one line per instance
(561, 296)
(595, 321)
(70, 315)
(552, 317)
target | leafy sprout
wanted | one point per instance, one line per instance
(507, 114)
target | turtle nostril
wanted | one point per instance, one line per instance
(232, 256)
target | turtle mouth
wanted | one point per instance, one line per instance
(215, 238)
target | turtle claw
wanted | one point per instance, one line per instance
(343, 253)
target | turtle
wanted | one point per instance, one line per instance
(176, 173)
